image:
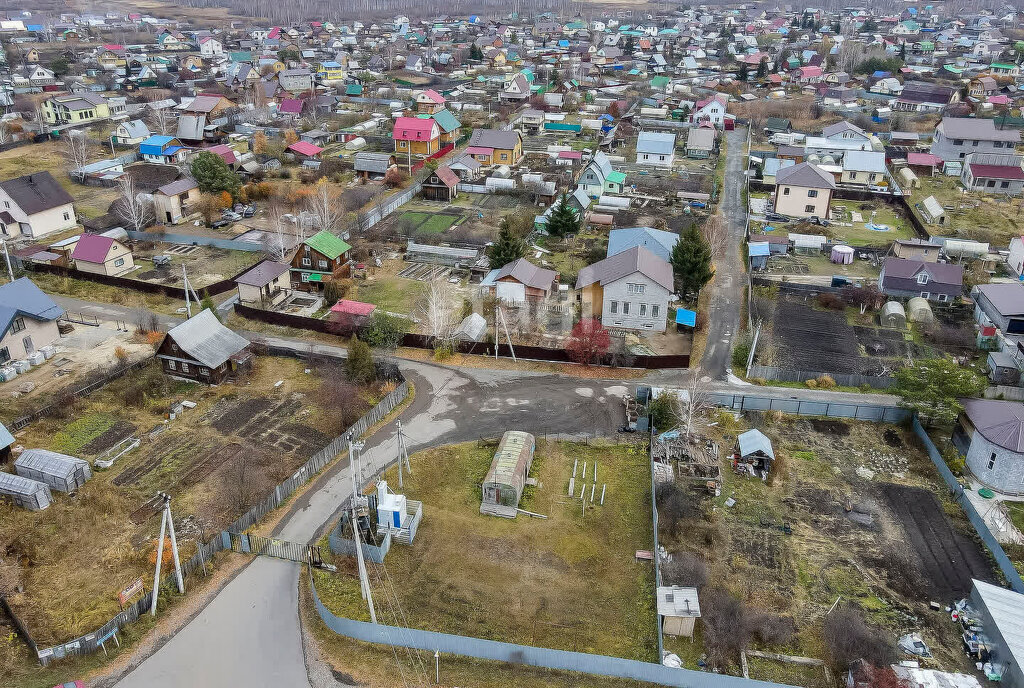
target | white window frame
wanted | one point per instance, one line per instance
(171, 365)
(922, 278)
(184, 367)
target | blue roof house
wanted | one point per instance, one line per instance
(28, 320)
(657, 241)
(162, 149)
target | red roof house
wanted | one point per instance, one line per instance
(350, 315)
(415, 135)
(305, 149)
(290, 106)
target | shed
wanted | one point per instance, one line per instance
(843, 255)
(758, 252)
(910, 179)
(893, 315)
(919, 310)
(1002, 368)
(25, 492)
(755, 449)
(6, 441)
(932, 211)
(59, 471)
(679, 609)
(506, 478)
(1002, 617)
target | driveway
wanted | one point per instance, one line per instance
(730, 276)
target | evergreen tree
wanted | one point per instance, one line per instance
(744, 72)
(563, 219)
(509, 247)
(207, 304)
(903, 51)
(213, 175)
(762, 68)
(691, 262)
(630, 45)
(359, 363)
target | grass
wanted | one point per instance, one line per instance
(206, 265)
(392, 293)
(860, 235)
(1016, 512)
(993, 220)
(566, 582)
(47, 157)
(94, 291)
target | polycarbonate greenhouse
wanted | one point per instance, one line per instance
(61, 472)
(25, 492)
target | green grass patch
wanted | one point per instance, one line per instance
(81, 432)
(437, 224)
(394, 294)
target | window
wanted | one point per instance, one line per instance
(808, 208)
(812, 193)
(18, 325)
(997, 144)
(171, 365)
(184, 367)
(615, 307)
(958, 142)
(872, 177)
(922, 278)
(119, 262)
(322, 264)
(926, 295)
(643, 310)
(204, 371)
(785, 191)
(67, 216)
(991, 183)
(974, 143)
(1004, 185)
(306, 262)
(992, 461)
(635, 288)
(646, 157)
(625, 307)
(7, 204)
(174, 347)
(504, 156)
(942, 298)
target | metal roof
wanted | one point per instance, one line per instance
(205, 339)
(677, 601)
(11, 484)
(658, 143)
(1006, 608)
(630, 261)
(753, 441)
(36, 192)
(1006, 297)
(657, 241)
(6, 438)
(805, 174)
(49, 462)
(528, 274)
(23, 297)
(327, 244)
(263, 274)
(1000, 422)
(467, 253)
(510, 460)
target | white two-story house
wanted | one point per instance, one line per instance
(628, 290)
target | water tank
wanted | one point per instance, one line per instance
(49, 351)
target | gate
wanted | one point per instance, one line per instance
(272, 547)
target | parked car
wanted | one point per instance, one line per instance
(776, 217)
(231, 215)
(815, 220)
(249, 210)
(698, 204)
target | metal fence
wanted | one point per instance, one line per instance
(347, 546)
(248, 543)
(193, 240)
(1002, 561)
(375, 215)
(560, 660)
(787, 375)
(807, 407)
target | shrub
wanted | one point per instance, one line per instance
(135, 396)
(760, 381)
(831, 301)
(848, 638)
(120, 354)
(684, 569)
(359, 364)
(701, 323)
(811, 384)
(826, 382)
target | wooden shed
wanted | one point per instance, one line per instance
(679, 609)
(506, 479)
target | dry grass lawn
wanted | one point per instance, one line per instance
(90, 201)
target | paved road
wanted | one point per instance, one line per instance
(730, 277)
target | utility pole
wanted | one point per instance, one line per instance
(7, 257)
(364, 583)
(166, 523)
(188, 304)
(403, 454)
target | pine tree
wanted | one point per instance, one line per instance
(691, 262)
(744, 72)
(507, 248)
(563, 219)
(359, 363)
(762, 68)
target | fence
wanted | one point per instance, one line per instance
(417, 166)
(248, 543)
(220, 287)
(787, 375)
(807, 407)
(657, 546)
(1005, 565)
(375, 215)
(561, 660)
(192, 240)
(347, 546)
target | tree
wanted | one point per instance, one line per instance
(691, 262)
(213, 175)
(588, 342)
(869, 26)
(563, 219)
(131, 207)
(324, 204)
(259, 142)
(864, 297)
(206, 303)
(437, 311)
(475, 53)
(744, 72)
(762, 68)
(77, 148)
(290, 137)
(160, 119)
(209, 205)
(630, 46)
(289, 55)
(359, 363)
(849, 638)
(60, 67)
(507, 248)
(1018, 48)
(933, 388)
(716, 233)
(384, 331)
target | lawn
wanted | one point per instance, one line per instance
(568, 581)
(90, 201)
(94, 291)
(859, 234)
(390, 292)
(982, 217)
(205, 264)
(422, 222)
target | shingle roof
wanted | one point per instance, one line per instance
(263, 274)
(327, 244)
(1000, 422)
(36, 192)
(529, 274)
(494, 138)
(636, 259)
(806, 174)
(23, 297)
(92, 248)
(205, 339)
(445, 174)
(177, 187)
(905, 268)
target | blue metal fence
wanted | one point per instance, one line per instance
(805, 407)
(190, 239)
(1003, 561)
(561, 660)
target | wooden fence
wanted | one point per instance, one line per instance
(220, 287)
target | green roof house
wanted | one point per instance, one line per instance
(318, 260)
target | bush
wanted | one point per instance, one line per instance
(334, 291)
(684, 569)
(660, 412)
(740, 353)
(826, 382)
(383, 331)
(831, 301)
(811, 384)
(848, 638)
(359, 364)
(759, 381)
(135, 396)
(701, 323)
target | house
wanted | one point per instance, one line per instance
(166, 150)
(679, 610)
(416, 136)
(170, 201)
(864, 168)
(102, 255)
(937, 282)
(956, 137)
(916, 249)
(369, 165)
(75, 108)
(507, 477)
(845, 131)
(130, 133)
(803, 190)
(521, 281)
(448, 124)
(202, 349)
(295, 80)
(754, 449)
(317, 259)
(599, 178)
(629, 290)
(710, 110)
(304, 150)
(919, 96)
(989, 434)
(657, 241)
(465, 166)
(496, 147)
(656, 149)
(700, 142)
(265, 285)
(330, 71)
(210, 46)
(429, 101)
(993, 173)
(34, 206)
(1015, 258)
(28, 319)
(777, 125)
(441, 185)
(1000, 305)
(806, 75)
(999, 612)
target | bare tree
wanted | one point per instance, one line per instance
(716, 233)
(160, 119)
(76, 149)
(134, 209)
(7, 131)
(324, 204)
(691, 403)
(241, 483)
(437, 311)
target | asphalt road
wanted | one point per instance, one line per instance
(730, 277)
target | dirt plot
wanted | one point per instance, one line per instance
(269, 422)
(950, 559)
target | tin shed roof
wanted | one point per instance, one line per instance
(205, 339)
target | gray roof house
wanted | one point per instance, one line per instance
(937, 282)
(373, 163)
(657, 241)
(201, 348)
(521, 280)
(35, 205)
(655, 148)
(956, 137)
(629, 290)
(700, 142)
(990, 436)
(1003, 621)
(28, 319)
(1000, 304)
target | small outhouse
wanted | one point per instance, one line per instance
(506, 479)
(679, 609)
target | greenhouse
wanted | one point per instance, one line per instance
(506, 478)
(25, 492)
(61, 472)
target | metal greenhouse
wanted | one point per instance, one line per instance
(61, 472)
(25, 492)
(506, 478)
